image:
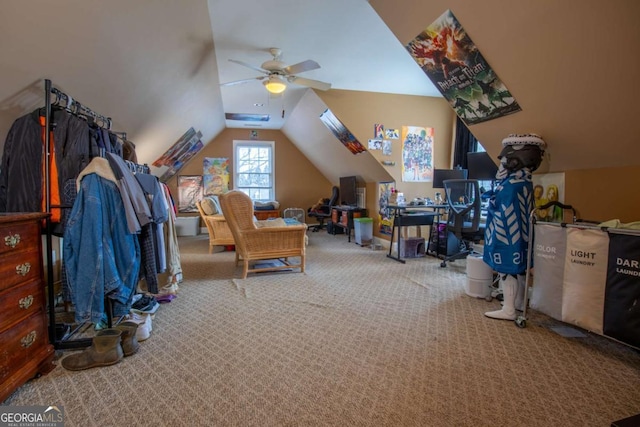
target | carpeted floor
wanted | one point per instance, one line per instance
(358, 340)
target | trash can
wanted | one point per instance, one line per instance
(363, 228)
(479, 278)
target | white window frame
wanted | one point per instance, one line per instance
(237, 144)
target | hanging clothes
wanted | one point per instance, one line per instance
(21, 188)
(153, 193)
(102, 257)
(22, 178)
(174, 266)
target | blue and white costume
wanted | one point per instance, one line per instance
(506, 238)
(507, 232)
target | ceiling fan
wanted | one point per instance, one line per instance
(277, 74)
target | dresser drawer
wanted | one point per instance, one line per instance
(20, 267)
(21, 343)
(16, 237)
(20, 302)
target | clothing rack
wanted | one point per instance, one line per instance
(74, 107)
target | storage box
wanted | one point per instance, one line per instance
(187, 225)
(412, 247)
(363, 230)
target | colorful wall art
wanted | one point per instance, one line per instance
(456, 67)
(417, 154)
(216, 175)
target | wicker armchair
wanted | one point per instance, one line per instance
(255, 243)
(219, 233)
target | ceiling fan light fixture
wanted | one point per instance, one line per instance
(275, 84)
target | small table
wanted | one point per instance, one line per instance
(342, 216)
(403, 217)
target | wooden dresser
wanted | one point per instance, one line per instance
(25, 350)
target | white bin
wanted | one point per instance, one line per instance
(479, 278)
(363, 228)
(187, 225)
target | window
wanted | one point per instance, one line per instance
(254, 169)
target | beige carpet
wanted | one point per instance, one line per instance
(358, 340)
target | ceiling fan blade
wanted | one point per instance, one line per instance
(237, 82)
(315, 84)
(253, 67)
(301, 67)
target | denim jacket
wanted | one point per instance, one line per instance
(101, 257)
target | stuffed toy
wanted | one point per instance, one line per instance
(319, 205)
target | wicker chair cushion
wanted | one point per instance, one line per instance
(275, 222)
(210, 206)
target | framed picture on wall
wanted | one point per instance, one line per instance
(190, 190)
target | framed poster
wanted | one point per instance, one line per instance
(190, 190)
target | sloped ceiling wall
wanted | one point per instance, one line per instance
(317, 142)
(148, 64)
(572, 66)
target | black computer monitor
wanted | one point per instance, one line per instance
(440, 175)
(481, 166)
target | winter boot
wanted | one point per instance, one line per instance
(130, 343)
(508, 311)
(104, 350)
(519, 303)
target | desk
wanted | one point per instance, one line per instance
(406, 216)
(342, 216)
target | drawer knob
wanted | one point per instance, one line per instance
(12, 240)
(28, 339)
(23, 269)
(26, 302)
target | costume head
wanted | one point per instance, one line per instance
(522, 151)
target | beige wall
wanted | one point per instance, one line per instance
(359, 111)
(604, 194)
(298, 182)
(597, 194)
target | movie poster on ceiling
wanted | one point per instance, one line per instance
(456, 67)
(341, 132)
(179, 154)
(417, 154)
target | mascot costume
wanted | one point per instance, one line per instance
(507, 231)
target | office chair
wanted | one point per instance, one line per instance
(324, 212)
(463, 220)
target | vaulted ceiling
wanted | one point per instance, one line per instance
(155, 66)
